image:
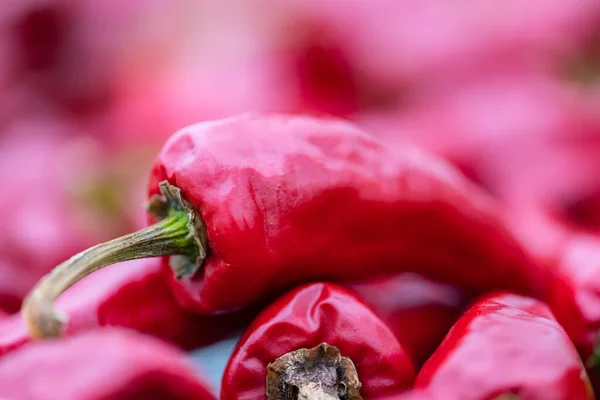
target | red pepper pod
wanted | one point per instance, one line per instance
(107, 365)
(262, 184)
(254, 204)
(419, 311)
(304, 318)
(506, 344)
(135, 295)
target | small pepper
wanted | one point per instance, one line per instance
(135, 296)
(419, 311)
(108, 365)
(506, 345)
(302, 319)
(253, 204)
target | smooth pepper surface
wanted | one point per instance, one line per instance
(304, 318)
(506, 344)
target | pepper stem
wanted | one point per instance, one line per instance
(320, 373)
(172, 235)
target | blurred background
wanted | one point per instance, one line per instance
(507, 90)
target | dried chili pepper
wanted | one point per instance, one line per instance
(304, 318)
(252, 204)
(135, 296)
(108, 365)
(506, 345)
(419, 311)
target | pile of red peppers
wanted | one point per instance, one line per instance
(383, 200)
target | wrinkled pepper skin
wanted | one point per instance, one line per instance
(262, 183)
(419, 311)
(306, 317)
(133, 295)
(506, 344)
(107, 365)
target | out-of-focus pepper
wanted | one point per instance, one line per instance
(419, 311)
(107, 365)
(60, 200)
(504, 131)
(41, 227)
(302, 319)
(574, 295)
(135, 296)
(506, 345)
(448, 43)
(573, 257)
(241, 198)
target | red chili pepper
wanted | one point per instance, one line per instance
(245, 196)
(134, 296)
(107, 365)
(506, 344)
(306, 317)
(419, 311)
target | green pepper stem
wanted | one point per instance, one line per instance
(170, 236)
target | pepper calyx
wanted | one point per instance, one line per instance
(320, 373)
(162, 206)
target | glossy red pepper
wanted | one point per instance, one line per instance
(134, 296)
(419, 311)
(506, 344)
(574, 259)
(107, 365)
(448, 43)
(253, 188)
(306, 317)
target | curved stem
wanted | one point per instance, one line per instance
(170, 236)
